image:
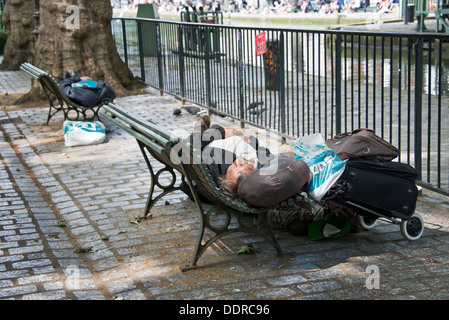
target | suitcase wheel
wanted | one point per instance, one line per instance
(413, 228)
(366, 222)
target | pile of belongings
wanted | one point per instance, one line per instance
(85, 91)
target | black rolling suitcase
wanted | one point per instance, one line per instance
(382, 190)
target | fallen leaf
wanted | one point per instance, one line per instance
(61, 224)
(82, 250)
(248, 249)
(135, 221)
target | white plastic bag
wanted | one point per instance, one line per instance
(83, 133)
(325, 166)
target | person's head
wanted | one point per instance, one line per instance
(235, 173)
(239, 168)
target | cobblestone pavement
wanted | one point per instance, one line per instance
(13, 81)
(56, 200)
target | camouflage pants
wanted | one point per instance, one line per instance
(299, 207)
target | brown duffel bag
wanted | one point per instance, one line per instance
(362, 143)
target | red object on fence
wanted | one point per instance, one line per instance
(261, 44)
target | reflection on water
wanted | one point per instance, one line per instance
(386, 65)
(395, 67)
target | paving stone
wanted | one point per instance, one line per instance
(17, 291)
(274, 293)
(88, 295)
(319, 286)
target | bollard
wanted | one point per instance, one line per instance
(409, 13)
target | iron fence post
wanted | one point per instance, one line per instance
(282, 83)
(159, 58)
(240, 74)
(418, 106)
(181, 63)
(207, 66)
(125, 46)
(338, 118)
(142, 60)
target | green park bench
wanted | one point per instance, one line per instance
(58, 100)
(157, 144)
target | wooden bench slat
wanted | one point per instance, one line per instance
(30, 71)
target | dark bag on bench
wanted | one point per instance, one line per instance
(87, 96)
(362, 143)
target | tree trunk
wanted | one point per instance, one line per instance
(76, 35)
(17, 17)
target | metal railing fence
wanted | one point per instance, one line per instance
(308, 81)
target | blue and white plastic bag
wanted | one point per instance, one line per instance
(325, 166)
(83, 133)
